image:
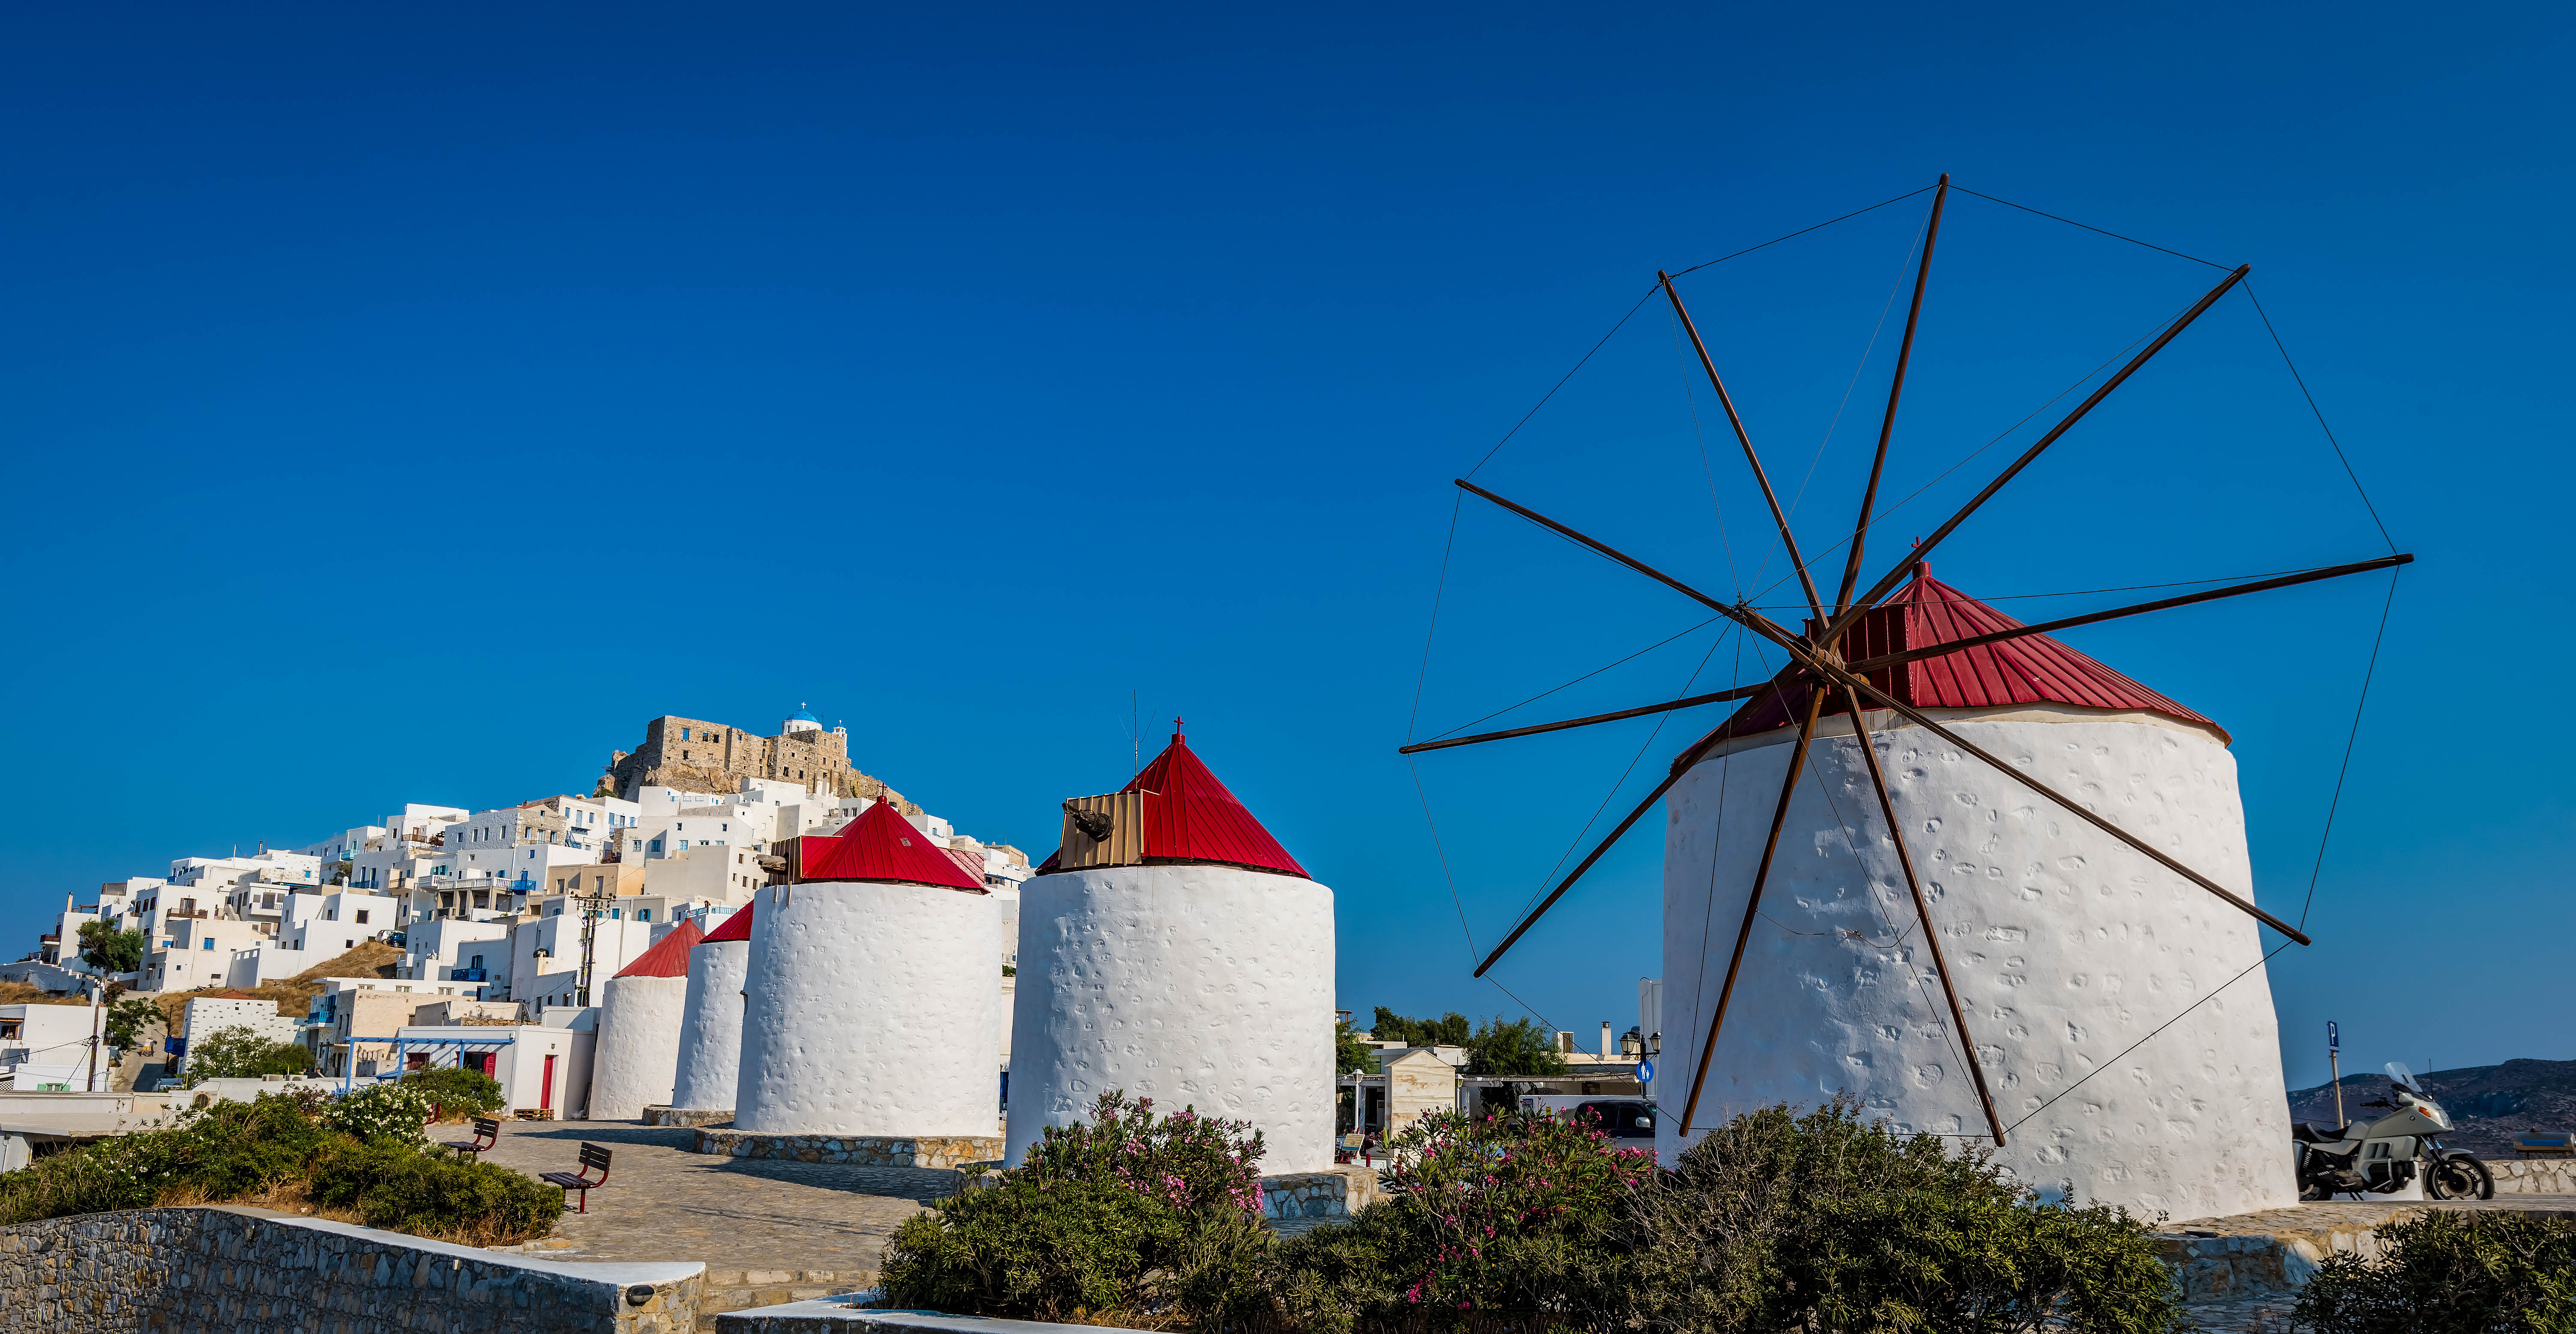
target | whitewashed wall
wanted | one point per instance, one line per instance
(874, 1009)
(1205, 986)
(711, 1026)
(2068, 947)
(638, 1056)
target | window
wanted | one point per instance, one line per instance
(643, 914)
(330, 914)
(210, 944)
(362, 917)
(598, 884)
(477, 961)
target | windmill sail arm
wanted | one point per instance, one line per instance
(1894, 576)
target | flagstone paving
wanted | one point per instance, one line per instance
(780, 1224)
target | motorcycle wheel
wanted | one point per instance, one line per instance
(2459, 1176)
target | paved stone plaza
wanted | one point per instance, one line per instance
(767, 1231)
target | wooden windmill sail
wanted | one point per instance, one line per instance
(1859, 653)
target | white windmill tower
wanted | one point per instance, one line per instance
(1173, 950)
(1948, 866)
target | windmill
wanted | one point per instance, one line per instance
(1909, 670)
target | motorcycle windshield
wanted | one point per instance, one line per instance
(2404, 1078)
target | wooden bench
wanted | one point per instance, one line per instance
(487, 1132)
(591, 1156)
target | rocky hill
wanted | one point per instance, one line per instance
(2490, 1104)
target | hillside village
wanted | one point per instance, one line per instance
(444, 916)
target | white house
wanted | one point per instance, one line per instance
(540, 1069)
(206, 1016)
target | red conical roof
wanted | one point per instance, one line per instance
(736, 927)
(882, 845)
(1191, 817)
(669, 956)
(2033, 669)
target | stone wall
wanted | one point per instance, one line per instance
(712, 757)
(2534, 1176)
(945, 1151)
(250, 1271)
(1338, 1193)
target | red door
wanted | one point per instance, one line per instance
(546, 1090)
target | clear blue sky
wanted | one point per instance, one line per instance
(406, 407)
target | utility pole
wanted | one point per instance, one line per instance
(590, 910)
(2334, 1065)
(90, 1085)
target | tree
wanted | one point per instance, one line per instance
(1513, 1048)
(1350, 1055)
(126, 1020)
(1449, 1030)
(105, 947)
(240, 1053)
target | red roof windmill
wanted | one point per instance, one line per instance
(1902, 644)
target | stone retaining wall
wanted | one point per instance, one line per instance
(250, 1271)
(687, 1116)
(857, 1150)
(2534, 1176)
(1338, 1193)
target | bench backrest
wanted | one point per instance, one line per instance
(487, 1128)
(594, 1156)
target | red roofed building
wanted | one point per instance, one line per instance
(882, 845)
(669, 956)
(2034, 669)
(736, 927)
(1191, 816)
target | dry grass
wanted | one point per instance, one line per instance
(294, 1197)
(294, 995)
(23, 993)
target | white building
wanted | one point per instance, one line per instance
(868, 1013)
(637, 1061)
(45, 1044)
(2084, 967)
(540, 1069)
(1203, 979)
(206, 1016)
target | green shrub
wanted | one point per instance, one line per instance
(1829, 1222)
(2450, 1273)
(396, 1186)
(1188, 1161)
(1128, 1212)
(1498, 1212)
(241, 1053)
(234, 1150)
(458, 1091)
(391, 1113)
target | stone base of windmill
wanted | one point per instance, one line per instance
(688, 1116)
(950, 1151)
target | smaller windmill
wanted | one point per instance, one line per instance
(2009, 743)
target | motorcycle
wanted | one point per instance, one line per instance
(2382, 1156)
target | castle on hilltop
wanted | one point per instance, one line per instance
(693, 755)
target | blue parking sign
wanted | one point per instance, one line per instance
(2334, 1040)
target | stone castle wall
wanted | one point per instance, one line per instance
(695, 755)
(248, 1271)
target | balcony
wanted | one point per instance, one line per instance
(468, 975)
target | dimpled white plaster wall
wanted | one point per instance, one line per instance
(1204, 986)
(639, 1045)
(877, 1010)
(711, 1026)
(2067, 946)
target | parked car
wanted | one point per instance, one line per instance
(1623, 1119)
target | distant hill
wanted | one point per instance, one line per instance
(2490, 1104)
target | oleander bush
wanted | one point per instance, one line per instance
(1129, 1217)
(2449, 1272)
(1828, 1221)
(1536, 1223)
(457, 1092)
(356, 1156)
(1494, 1213)
(396, 1113)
